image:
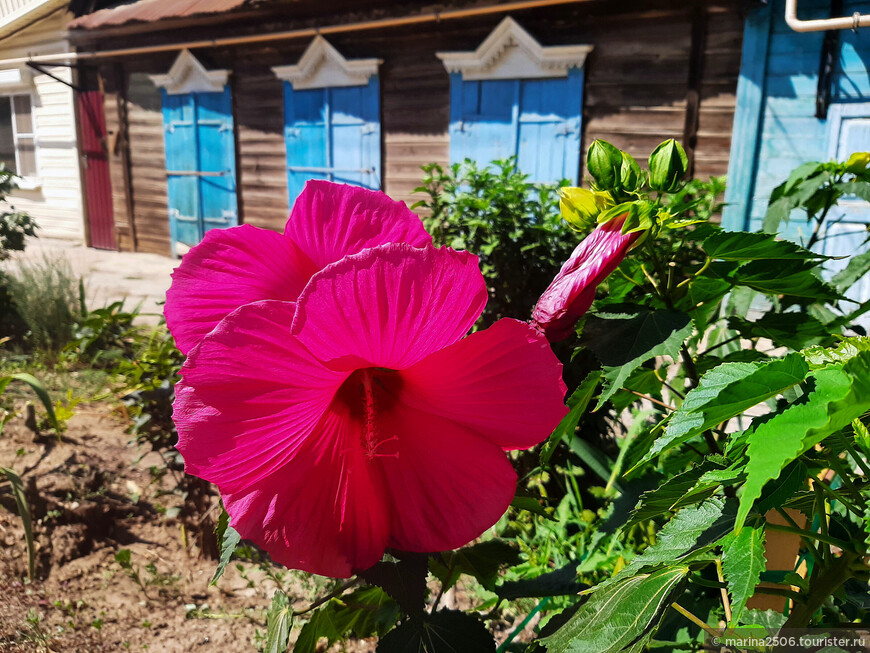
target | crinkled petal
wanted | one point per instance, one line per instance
(228, 269)
(325, 511)
(504, 383)
(330, 221)
(390, 306)
(447, 484)
(250, 396)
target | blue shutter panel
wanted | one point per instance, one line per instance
(536, 120)
(200, 162)
(334, 134)
(214, 127)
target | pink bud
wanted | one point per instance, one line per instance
(571, 293)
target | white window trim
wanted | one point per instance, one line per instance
(188, 75)
(322, 66)
(510, 52)
(24, 182)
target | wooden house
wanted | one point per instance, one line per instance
(801, 97)
(38, 137)
(216, 111)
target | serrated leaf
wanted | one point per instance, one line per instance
(279, 621)
(446, 631)
(839, 394)
(746, 246)
(578, 402)
(691, 529)
(857, 267)
(797, 279)
(617, 616)
(794, 330)
(365, 612)
(742, 563)
(228, 539)
(703, 296)
(727, 391)
(819, 357)
(623, 341)
(792, 481)
(770, 620)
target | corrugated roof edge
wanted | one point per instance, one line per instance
(146, 11)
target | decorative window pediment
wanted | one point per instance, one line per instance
(510, 52)
(322, 66)
(188, 75)
(16, 79)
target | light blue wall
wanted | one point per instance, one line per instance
(775, 128)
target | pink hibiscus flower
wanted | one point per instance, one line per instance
(359, 418)
(237, 266)
(572, 291)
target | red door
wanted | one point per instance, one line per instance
(98, 188)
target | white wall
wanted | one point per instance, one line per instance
(57, 202)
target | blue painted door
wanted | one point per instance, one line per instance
(536, 120)
(845, 233)
(334, 134)
(200, 164)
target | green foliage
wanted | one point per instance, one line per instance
(446, 631)
(620, 617)
(103, 336)
(15, 226)
(23, 512)
(742, 563)
(228, 539)
(41, 392)
(511, 224)
(279, 622)
(365, 612)
(45, 296)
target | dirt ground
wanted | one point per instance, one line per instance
(92, 495)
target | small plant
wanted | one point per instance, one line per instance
(513, 225)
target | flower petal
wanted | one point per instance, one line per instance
(504, 383)
(230, 268)
(250, 396)
(330, 221)
(389, 306)
(325, 511)
(446, 483)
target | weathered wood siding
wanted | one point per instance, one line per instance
(57, 201)
(636, 86)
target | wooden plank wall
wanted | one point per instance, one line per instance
(636, 85)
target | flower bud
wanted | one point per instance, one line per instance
(570, 294)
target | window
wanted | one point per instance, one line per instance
(332, 123)
(17, 137)
(514, 97)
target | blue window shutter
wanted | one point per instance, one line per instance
(198, 136)
(334, 134)
(548, 147)
(536, 120)
(214, 127)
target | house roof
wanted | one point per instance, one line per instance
(146, 11)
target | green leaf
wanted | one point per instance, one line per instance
(481, 561)
(23, 512)
(616, 616)
(446, 631)
(692, 529)
(40, 391)
(365, 612)
(742, 563)
(793, 330)
(595, 459)
(578, 403)
(404, 580)
(745, 246)
(849, 348)
(279, 621)
(702, 299)
(533, 505)
(562, 582)
(857, 267)
(796, 279)
(839, 394)
(624, 340)
(770, 620)
(667, 166)
(725, 392)
(228, 539)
